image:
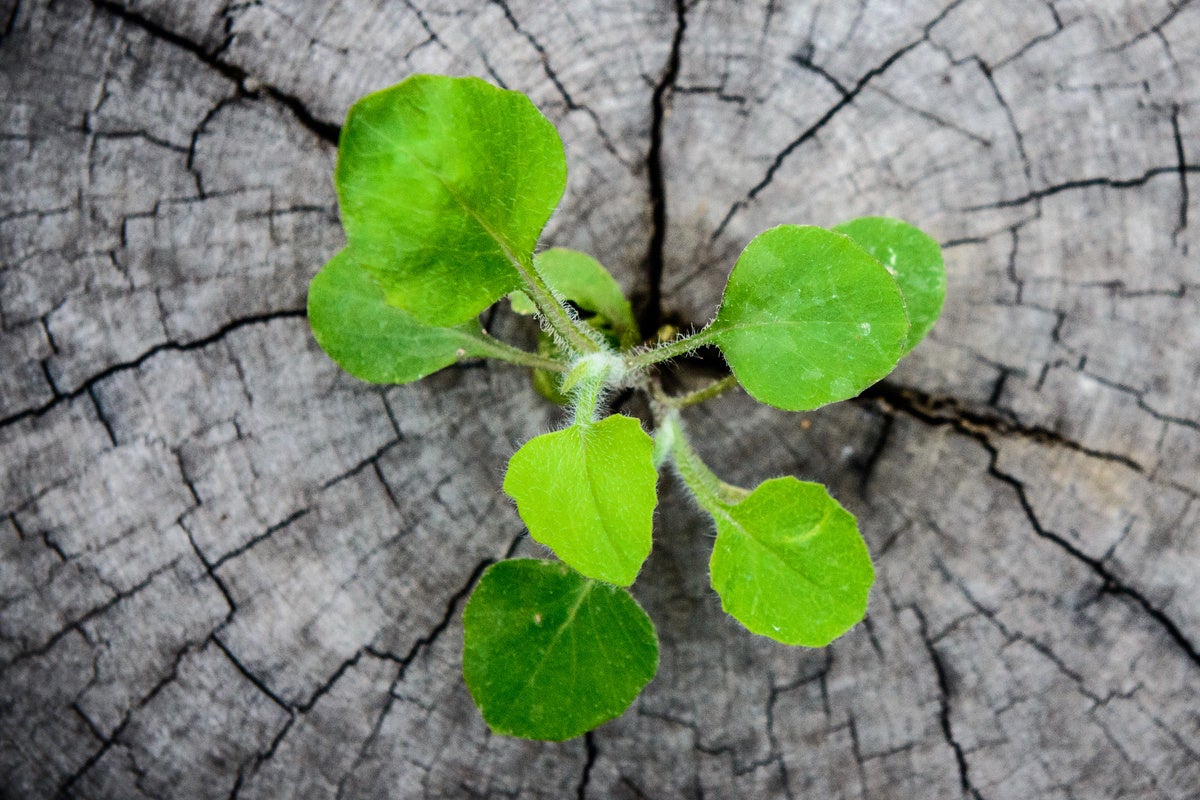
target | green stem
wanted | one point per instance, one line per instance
(556, 316)
(713, 494)
(586, 382)
(586, 400)
(700, 395)
(670, 350)
(491, 347)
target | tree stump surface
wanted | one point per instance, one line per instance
(229, 570)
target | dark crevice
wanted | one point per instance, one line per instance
(848, 96)
(1084, 183)
(856, 751)
(112, 436)
(429, 31)
(190, 162)
(809, 133)
(998, 387)
(1059, 27)
(50, 543)
(935, 410)
(1156, 28)
(216, 579)
(868, 466)
(64, 789)
(11, 22)
(1183, 171)
(370, 461)
(258, 759)
(404, 661)
(803, 59)
(88, 723)
(650, 312)
(77, 624)
(1140, 397)
(144, 136)
(250, 676)
(1111, 583)
(943, 683)
(195, 344)
(544, 60)
(980, 428)
(591, 753)
(1018, 137)
(257, 539)
(326, 131)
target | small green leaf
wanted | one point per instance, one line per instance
(549, 654)
(521, 304)
(585, 282)
(809, 318)
(913, 258)
(546, 383)
(372, 340)
(789, 563)
(446, 184)
(588, 493)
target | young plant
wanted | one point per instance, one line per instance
(445, 185)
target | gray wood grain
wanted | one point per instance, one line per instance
(229, 570)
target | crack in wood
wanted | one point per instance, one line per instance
(327, 132)
(650, 312)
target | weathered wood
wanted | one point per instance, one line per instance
(230, 570)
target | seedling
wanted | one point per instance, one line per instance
(445, 185)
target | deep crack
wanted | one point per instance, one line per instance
(651, 313)
(326, 131)
(107, 372)
(847, 98)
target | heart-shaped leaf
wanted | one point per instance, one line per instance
(549, 654)
(588, 493)
(914, 259)
(375, 341)
(809, 318)
(444, 185)
(790, 564)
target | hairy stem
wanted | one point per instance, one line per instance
(491, 347)
(566, 327)
(586, 382)
(713, 494)
(714, 389)
(670, 350)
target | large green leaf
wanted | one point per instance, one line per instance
(375, 341)
(789, 563)
(809, 318)
(913, 258)
(588, 493)
(446, 184)
(549, 654)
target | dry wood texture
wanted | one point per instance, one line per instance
(229, 570)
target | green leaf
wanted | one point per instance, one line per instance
(585, 282)
(789, 563)
(549, 654)
(809, 318)
(914, 259)
(521, 304)
(375, 341)
(588, 493)
(446, 184)
(546, 383)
